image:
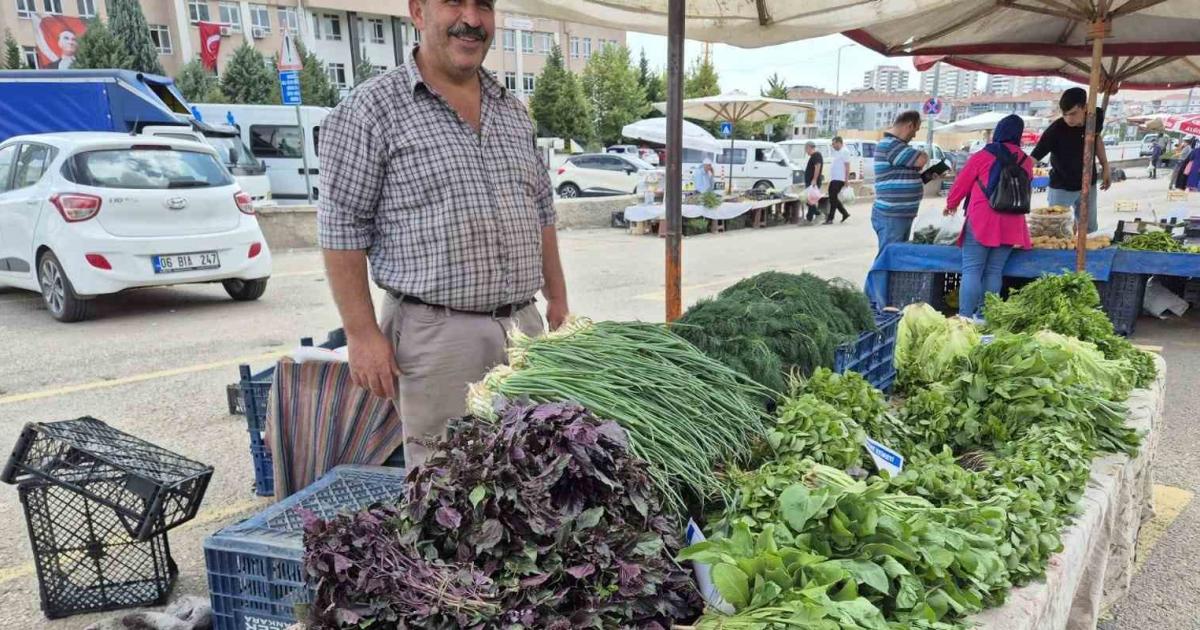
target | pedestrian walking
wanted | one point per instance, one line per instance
(432, 182)
(898, 185)
(989, 234)
(1063, 142)
(839, 171)
(813, 175)
(1156, 151)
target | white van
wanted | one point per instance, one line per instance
(862, 155)
(755, 164)
(250, 174)
(275, 139)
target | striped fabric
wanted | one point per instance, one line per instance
(319, 419)
(898, 186)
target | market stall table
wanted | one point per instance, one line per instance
(787, 207)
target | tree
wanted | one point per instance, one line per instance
(775, 88)
(12, 52)
(247, 79)
(558, 105)
(128, 25)
(315, 88)
(99, 48)
(701, 80)
(651, 83)
(364, 70)
(195, 81)
(610, 82)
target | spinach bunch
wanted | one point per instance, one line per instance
(810, 428)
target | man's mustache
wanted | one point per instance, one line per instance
(460, 30)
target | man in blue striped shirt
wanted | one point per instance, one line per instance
(898, 185)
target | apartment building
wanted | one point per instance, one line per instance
(886, 79)
(339, 32)
(871, 109)
(951, 82)
(830, 109)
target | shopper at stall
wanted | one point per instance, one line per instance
(813, 175)
(1178, 176)
(1063, 142)
(702, 177)
(460, 243)
(839, 170)
(1192, 169)
(898, 185)
(988, 236)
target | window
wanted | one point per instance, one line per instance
(146, 169)
(198, 11)
(574, 46)
(510, 80)
(87, 8)
(545, 43)
(6, 160)
(375, 32)
(379, 69)
(260, 17)
(527, 42)
(231, 15)
(333, 27)
(161, 36)
(508, 40)
(337, 74)
(739, 156)
(528, 81)
(587, 47)
(275, 141)
(317, 141)
(26, 8)
(29, 53)
(52, 6)
(289, 19)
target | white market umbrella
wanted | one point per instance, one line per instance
(655, 130)
(988, 121)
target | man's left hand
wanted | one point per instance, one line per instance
(1106, 180)
(556, 313)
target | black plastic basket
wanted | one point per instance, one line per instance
(1121, 298)
(86, 561)
(149, 488)
(932, 288)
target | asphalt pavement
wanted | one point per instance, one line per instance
(155, 363)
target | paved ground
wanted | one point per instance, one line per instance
(155, 363)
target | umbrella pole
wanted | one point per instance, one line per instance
(729, 165)
(1099, 31)
(674, 193)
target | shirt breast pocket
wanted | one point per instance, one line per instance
(423, 173)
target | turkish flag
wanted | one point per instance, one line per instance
(210, 44)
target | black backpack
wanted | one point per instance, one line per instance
(1013, 192)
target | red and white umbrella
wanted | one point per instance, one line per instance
(1183, 123)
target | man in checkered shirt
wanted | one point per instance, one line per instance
(430, 172)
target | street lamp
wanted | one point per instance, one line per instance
(837, 88)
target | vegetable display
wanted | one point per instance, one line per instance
(1157, 241)
(774, 324)
(686, 414)
(542, 520)
(927, 345)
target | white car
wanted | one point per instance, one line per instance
(600, 173)
(86, 214)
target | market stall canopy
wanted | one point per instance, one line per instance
(1153, 44)
(744, 23)
(655, 130)
(987, 121)
(736, 107)
(1180, 123)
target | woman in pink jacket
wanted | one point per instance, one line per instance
(988, 237)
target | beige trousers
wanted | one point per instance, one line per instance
(440, 353)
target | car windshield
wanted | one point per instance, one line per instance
(795, 153)
(223, 144)
(639, 162)
(146, 169)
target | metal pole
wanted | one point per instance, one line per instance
(674, 192)
(304, 156)
(1099, 32)
(937, 79)
(1191, 93)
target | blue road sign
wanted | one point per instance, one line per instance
(289, 87)
(726, 129)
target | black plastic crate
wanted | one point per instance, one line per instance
(264, 466)
(149, 488)
(933, 288)
(872, 354)
(255, 572)
(1121, 298)
(85, 559)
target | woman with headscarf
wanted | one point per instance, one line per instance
(988, 236)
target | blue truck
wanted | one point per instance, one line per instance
(124, 101)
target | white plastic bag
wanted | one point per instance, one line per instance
(1051, 222)
(847, 195)
(1160, 300)
(813, 195)
(937, 229)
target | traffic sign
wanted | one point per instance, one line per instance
(933, 106)
(289, 87)
(726, 128)
(289, 57)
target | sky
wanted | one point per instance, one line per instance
(809, 62)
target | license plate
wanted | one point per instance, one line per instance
(171, 263)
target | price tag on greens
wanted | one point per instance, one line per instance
(708, 590)
(885, 458)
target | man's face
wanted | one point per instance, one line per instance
(67, 43)
(1075, 116)
(808, 150)
(838, 145)
(456, 33)
(908, 131)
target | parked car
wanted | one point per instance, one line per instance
(600, 174)
(1148, 142)
(90, 213)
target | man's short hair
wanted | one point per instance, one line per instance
(837, 139)
(910, 117)
(810, 145)
(1072, 98)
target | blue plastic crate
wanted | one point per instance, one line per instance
(872, 353)
(264, 466)
(932, 288)
(256, 387)
(255, 576)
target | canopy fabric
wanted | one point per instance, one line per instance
(1183, 123)
(655, 130)
(987, 121)
(738, 107)
(1153, 43)
(743, 23)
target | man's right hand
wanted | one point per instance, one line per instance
(373, 363)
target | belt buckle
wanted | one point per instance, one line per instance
(496, 312)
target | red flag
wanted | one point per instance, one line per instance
(57, 40)
(210, 44)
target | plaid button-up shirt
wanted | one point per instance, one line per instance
(447, 215)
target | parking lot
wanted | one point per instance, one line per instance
(155, 363)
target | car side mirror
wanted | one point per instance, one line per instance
(629, 170)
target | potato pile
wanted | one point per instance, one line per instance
(1052, 222)
(1058, 242)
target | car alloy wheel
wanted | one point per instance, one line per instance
(54, 290)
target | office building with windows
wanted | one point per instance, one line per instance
(886, 79)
